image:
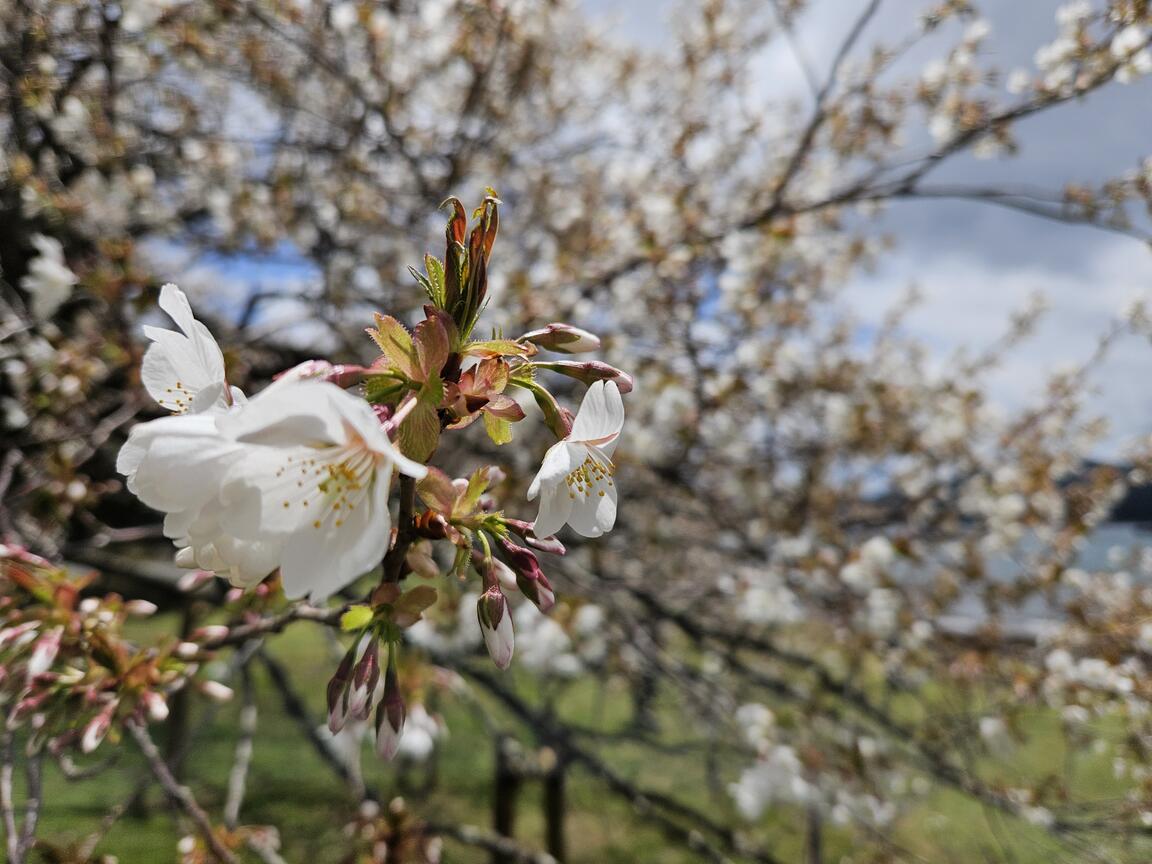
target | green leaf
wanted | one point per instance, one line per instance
(396, 345)
(468, 500)
(407, 610)
(498, 348)
(498, 429)
(419, 432)
(356, 618)
(384, 388)
(435, 279)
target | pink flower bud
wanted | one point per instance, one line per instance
(187, 650)
(155, 705)
(210, 633)
(216, 691)
(390, 715)
(590, 371)
(496, 625)
(97, 728)
(365, 677)
(44, 653)
(19, 635)
(563, 338)
(141, 608)
(530, 579)
(194, 580)
(528, 534)
(338, 692)
(322, 370)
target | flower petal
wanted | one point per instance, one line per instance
(595, 514)
(601, 414)
(561, 458)
(555, 507)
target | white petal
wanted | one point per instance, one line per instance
(601, 414)
(555, 507)
(295, 413)
(348, 543)
(183, 463)
(178, 365)
(594, 514)
(561, 458)
(501, 641)
(175, 303)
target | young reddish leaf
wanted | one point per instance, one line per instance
(432, 347)
(436, 490)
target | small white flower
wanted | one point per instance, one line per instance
(184, 371)
(49, 280)
(1128, 40)
(575, 480)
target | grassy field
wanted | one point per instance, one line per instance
(290, 787)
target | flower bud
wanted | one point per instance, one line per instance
(390, 714)
(141, 608)
(210, 633)
(496, 625)
(365, 677)
(195, 580)
(321, 370)
(530, 579)
(44, 652)
(216, 691)
(338, 692)
(544, 544)
(97, 728)
(19, 635)
(590, 371)
(155, 705)
(563, 338)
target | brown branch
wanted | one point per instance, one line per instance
(473, 836)
(180, 796)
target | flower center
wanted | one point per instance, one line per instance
(179, 400)
(594, 474)
(330, 484)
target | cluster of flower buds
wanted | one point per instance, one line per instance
(66, 668)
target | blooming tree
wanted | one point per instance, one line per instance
(806, 509)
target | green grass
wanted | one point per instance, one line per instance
(291, 788)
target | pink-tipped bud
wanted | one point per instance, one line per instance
(390, 715)
(420, 559)
(338, 692)
(97, 728)
(530, 579)
(210, 633)
(44, 652)
(321, 370)
(563, 338)
(216, 691)
(365, 677)
(525, 531)
(496, 625)
(141, 608)
(589, 372)
(18, 636)
(195, 580)
(155, 705)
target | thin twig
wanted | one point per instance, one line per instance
(238, 777)
(180, 796)
(32, 801)
(6, 798)
(470, 835)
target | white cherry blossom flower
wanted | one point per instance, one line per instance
(296, 479)
(184, 370)
(575, 482)
(312, 487)
(49, 280)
